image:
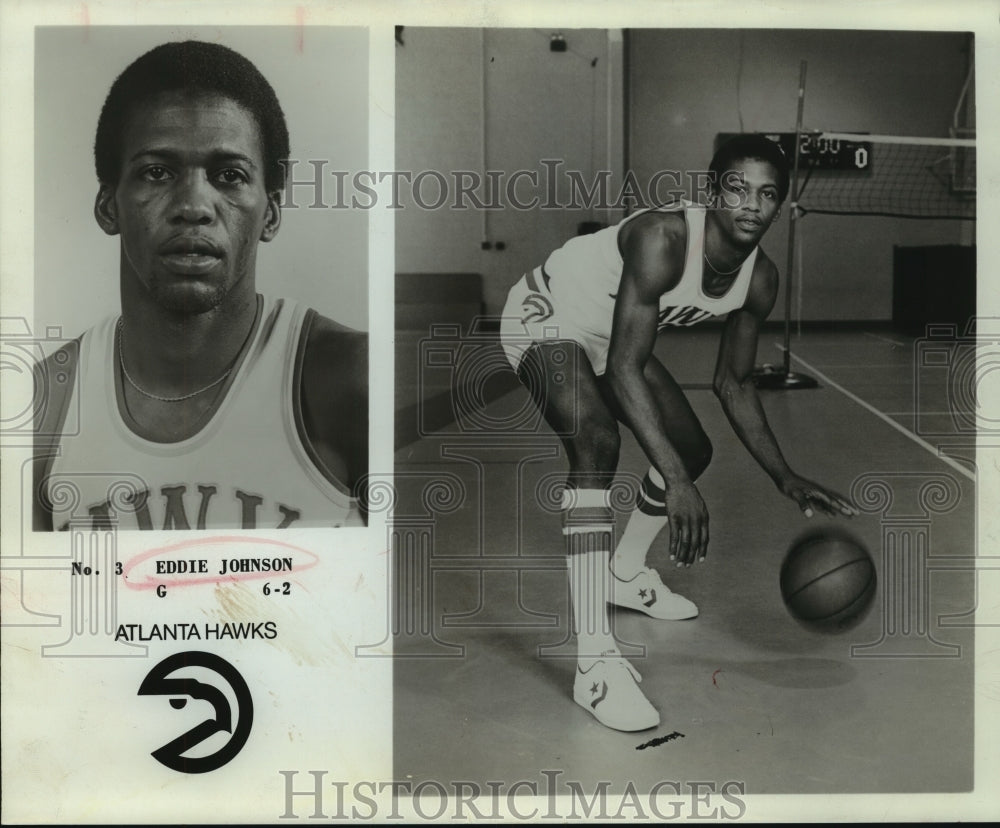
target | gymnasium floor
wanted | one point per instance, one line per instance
(484, 677)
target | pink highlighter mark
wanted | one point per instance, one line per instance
(203, 560)
(713, 677)
(85, 20)
(300, 35)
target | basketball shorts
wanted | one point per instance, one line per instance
(530, 316)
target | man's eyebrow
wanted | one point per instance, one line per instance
(232, 155)
(159, 152)
(214, 156)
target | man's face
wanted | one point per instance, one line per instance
(190, 204)
(749, 200)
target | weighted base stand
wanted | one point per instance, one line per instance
(770, 378)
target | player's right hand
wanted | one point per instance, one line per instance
(688, 524)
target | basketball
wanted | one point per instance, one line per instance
(828, 581)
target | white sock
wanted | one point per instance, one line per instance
(588, 524)
(644, 524)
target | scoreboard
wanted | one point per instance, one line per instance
(818, 152)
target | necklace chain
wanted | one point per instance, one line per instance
(720, 272)
(137, 387)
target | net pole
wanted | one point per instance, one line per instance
(792, 379)
(792, 220)
(786, 379)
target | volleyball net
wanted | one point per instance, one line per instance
(891, 175)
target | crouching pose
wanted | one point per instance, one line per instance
(606, 296)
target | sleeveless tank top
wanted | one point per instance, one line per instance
(583, 276)
(250, 466)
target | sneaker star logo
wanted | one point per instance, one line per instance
(604, 693)
(642, 593)
(593, 688)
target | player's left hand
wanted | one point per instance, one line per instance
(811, 497)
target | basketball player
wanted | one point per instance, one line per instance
(203, 405)
(597, 304)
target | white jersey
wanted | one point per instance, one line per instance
(572, 296)
(249, 467)
(583, 277)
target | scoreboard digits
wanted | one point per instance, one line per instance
(818, 152)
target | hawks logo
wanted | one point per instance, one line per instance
(536, 307)
(236, 721)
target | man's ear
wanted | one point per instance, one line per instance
(776, 216)
(106, 211)
(272, 218)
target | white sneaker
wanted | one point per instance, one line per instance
(609, 690)
(645, 592)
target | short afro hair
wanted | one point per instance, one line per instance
(197, 68)
(755, 146)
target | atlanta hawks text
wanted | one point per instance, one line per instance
(197, 632)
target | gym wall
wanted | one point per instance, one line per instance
(537, 104)
(686, 85)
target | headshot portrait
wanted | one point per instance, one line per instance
(206, 309)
